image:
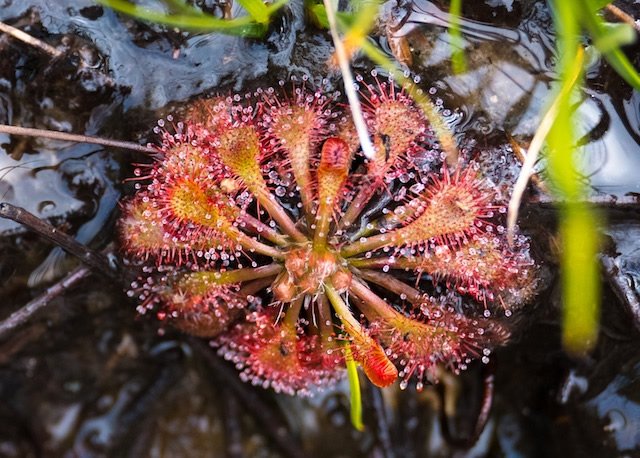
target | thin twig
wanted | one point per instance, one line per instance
(28, 39)
(536, 145)
(271, 423)
(528, 164)
(609, 200)
(535, 178)
(22, 315)
(96, 261)
(350, 90)
(624, 17)
(43, 133)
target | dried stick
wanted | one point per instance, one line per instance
(349, 88)
(43, 133)
(28, 39)
(613, 201)
(22, 315)
(535, 178)
(97, 262)
(536, 145)
(272, 425)
(624, 17)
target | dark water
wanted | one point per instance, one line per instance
(87, 378)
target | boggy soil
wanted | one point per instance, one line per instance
(89, 378)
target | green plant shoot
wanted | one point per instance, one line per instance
(354, 389)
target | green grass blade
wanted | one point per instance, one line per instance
(581, 278)
(458, 60)
(366, 12)
(614, 36)
(256, 9)
(579, 267)
(354, 389)
(179, 6)
(195, 20)
(616, 58)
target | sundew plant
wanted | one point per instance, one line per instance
(261, 225)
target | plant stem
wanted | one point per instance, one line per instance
(348, 82)
(354, 388)
(379, 263)
(293, 312)
(232, 276)
(323, 224)
(300, 164)
(279, 214)
(370, 244)
(351, 325)
(538, 140)
(252, 287)
(617, 12)
(252, 244)
(522, 158)
(391, 283)
(357, 205)
(325, 324)
(373, 302)
(259, 228)
(369, 352)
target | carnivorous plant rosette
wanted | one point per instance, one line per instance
(260, 225)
